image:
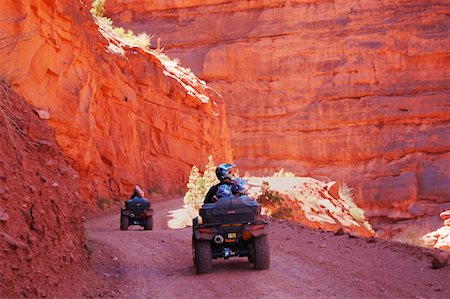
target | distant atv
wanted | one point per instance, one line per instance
(230, 228)
(136, 213)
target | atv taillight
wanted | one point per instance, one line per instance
(205, 230)
(258, 226)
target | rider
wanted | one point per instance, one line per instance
(224, 191)
(223, 173)
(138, 196)
(240, 187)
(137, 192)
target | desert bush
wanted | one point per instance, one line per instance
(357, 214)
(269, 196)
(103, 202)
(345, 192)
(199, 185)
(282, 213)
(153, 191)
(141, 40)
(98, 8)
(413, 234)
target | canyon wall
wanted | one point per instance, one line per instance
(120, 114)
(41, 226)
(356, 91)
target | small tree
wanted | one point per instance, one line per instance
(193, 193)
(198, 186)
(98, 8)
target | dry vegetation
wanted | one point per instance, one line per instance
(141, 40)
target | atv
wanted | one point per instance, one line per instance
(231, 228)
(136, 213)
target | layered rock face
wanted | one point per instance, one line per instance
(120, 115)
(356, 91)
(313, 203)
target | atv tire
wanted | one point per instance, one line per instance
(203, 256)
(193, 251)
(261, 259)
(148, 223)
(124, 222)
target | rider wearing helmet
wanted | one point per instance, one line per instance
(240, 187)
(137, 192)
(137, 196)
(223, 173)
(224, 191)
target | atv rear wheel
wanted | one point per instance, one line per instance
(148, 223)
(261, 259)
(124, 222)
(203, 256)
(193, 251)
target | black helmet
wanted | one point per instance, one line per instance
(223, 171)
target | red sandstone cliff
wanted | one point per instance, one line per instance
(349, 90)
(120, 115)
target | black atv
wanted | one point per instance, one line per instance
(136, 213)
(231, 227)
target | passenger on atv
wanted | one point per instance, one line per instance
(223, 173)
(137, 211)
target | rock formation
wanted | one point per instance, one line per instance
(356, 91)
(313, 203)
(440, 238)
(41, 226)
(121, 115)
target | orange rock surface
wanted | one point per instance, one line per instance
(356, 91)
(121, 116)
(313, 203)
(440, 238)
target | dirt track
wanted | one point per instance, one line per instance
(304, 264)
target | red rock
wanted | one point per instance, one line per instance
(334, 190)
(445, 215)
(440, 260)
(120, 114)
(3, 215)
(337, 96)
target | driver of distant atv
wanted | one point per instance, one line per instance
(223, 173)
(138, 196)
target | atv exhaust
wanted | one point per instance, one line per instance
(218, 239)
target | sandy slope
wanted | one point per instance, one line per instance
(304, 264)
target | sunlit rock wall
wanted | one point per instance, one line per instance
(356, 91)
(120, 115)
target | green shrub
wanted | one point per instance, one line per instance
(269, 196)
(98, 8)
(103, 202)
(199, 185)
(282, 213)
(141, 40)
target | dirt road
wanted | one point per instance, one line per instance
(304, 264)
